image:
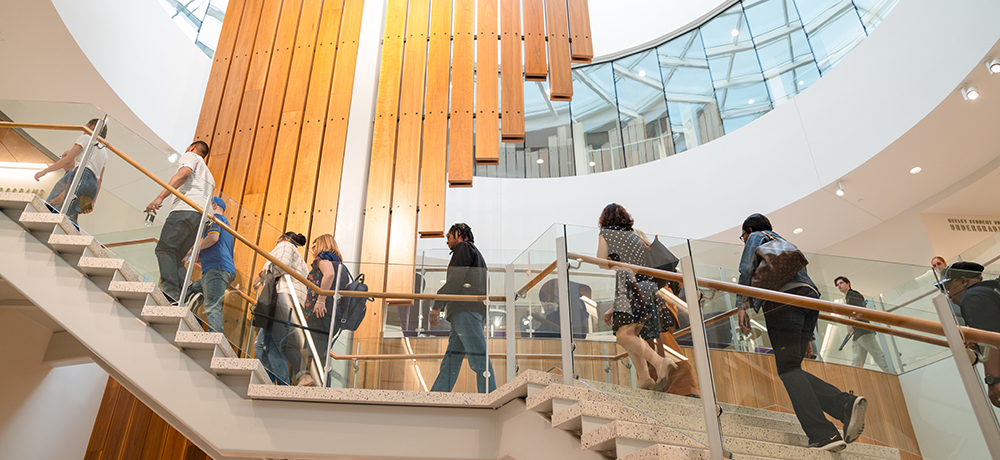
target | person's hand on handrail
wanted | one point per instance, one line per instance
(433, 317)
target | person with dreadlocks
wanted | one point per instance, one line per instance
(466, 276)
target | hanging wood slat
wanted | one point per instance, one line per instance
(560, 76)
(460, 145)
(535, 63)
(511, 72)
(487, 150)
(433, 175)
(579, 27)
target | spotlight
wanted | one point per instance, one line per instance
(970, 93)
(593, 163)
(797, 231)
(540, 161)
(840, 189)
(993, 66)
(915, 170)
(642, 73)
(735, 32)
(751, 101)
(801, 82)
(172, 157)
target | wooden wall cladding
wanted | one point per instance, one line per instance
(275, 114)
(126, 429)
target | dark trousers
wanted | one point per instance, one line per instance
(790, 330)
(176, 238)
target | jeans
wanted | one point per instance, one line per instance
(868, 344)
(212, 285)
(790, 330)
(466, 339)
(176, 238)
(87, 188)
(280, 345)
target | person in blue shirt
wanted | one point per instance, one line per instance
(217, 269)
(790, 329)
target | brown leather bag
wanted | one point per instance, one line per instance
(779, 262)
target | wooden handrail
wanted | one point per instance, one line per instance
(130, 242)
(884, 330)
(399, 356)
(537, 279)
(892, 319)
(50, 127)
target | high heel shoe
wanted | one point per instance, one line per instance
(663, 373)
(646, 384)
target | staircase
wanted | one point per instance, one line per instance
(228, 407)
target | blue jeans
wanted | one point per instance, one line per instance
(280, 345)
(87, 188)
(212, 285)
(466, 339)
(176, 238)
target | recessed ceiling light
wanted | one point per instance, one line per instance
(797, 231)
(751, 101)
(915, 170)
(592, 163)
(801, 82)
(970, 93)
(642, 73)
(735, 32)
(993, 66)
(540, 161)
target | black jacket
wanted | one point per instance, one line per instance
(856, 299)
(981, 305)
(466, 276)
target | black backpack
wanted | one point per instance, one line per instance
(267, 301)
(351, 310)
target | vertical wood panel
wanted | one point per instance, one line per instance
(232, 96)
(460, 160)
(99, 435)
(283, 164)
(157, 437)
(324, 212)
(535, 63)
(220, 70)
(579, 26)
(560, 77)
(487, 149)
(511, 71)
(406, 179)
(313, 126)
(239, 158)
(433, 172)
(375, 241)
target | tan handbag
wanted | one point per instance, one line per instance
(779, 262)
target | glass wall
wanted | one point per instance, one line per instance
(687, 91)
(200, 20)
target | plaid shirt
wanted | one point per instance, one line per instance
(288, 255)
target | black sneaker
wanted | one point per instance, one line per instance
(832, 444)
(854, 418)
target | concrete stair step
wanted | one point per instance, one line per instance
(541, 401)
(43, 222)
(13, 204)
(683, 400)
(623, 438)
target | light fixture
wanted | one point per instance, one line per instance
(735, 32)
(993, 66)
(539, 161)
(172, 157)
(751, 101)
(18, 165)
(642, 73)
(915, 170)
(970, 93)
(801, 82)
(797, 231)
(840, 189)
(593, 164)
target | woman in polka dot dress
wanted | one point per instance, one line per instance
(634, 316)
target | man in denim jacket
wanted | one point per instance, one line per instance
(790, 329)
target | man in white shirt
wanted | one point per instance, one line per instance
(84, 197)
(194, 181)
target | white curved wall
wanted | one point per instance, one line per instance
(153, 67)
(844, 120)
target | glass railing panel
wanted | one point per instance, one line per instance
(986, 252)
(736, 74)
(536, 310)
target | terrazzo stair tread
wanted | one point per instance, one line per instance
(170, 314)
(69, 244)
(697, 422)
(222, 365)
(748, 435)
(14, 204)
(131, 290)
(601, 439)
(541, 401)
(198, 340)
(571, 418)
(515, 388)
(43, 221)
(683, 400)
(664, 451)
(99, 266)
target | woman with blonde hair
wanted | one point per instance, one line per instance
(319, 309)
